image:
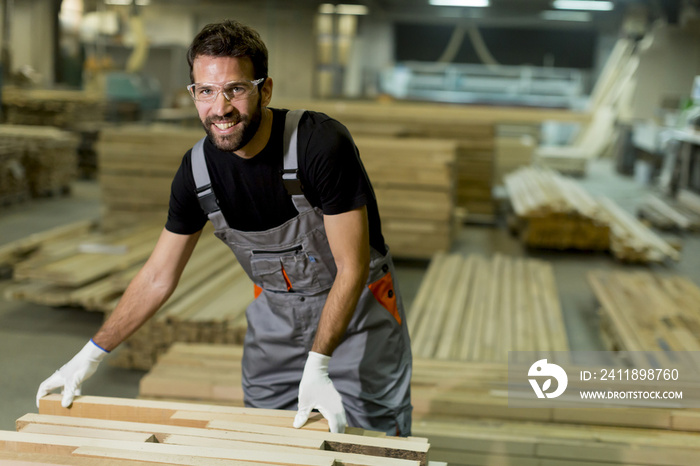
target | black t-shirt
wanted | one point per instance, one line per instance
(251, 194)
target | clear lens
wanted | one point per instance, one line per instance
(234, 90)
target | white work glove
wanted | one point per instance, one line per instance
(316, 391)
(73, 374)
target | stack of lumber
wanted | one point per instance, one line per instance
(554, 211)
(51, 107)
(14, 186)
(514, 148)
(48, 156)
(641, 311)
(16, 251)
(668, 214)
(475, 172)
(463, 409)
(98, 430)
(137, 164)
(92, 269)
(413, 180)
(476, 309)
(631, 240)
(63, 270)
(689, 200)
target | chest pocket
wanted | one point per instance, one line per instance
(285, 270)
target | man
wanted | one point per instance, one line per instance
(287, 192)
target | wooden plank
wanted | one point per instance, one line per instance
(87, 432)
(14, 458)
(343, 458)
(390, 447)
(107, 454)
(160, 431)
(159, 412)
(58, 444)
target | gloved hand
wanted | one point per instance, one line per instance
(316, 391)
(73, 374)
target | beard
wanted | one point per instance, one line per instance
(249, 125)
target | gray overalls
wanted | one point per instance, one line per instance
(293, 270)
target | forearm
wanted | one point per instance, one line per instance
(339, 309)
(149, 289)
(140, 301)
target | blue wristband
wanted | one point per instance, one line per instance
(93, 342)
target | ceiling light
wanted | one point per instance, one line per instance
(342, 9)
(553, 15)
(474, 3)
(128, 2)
(326, 8)
(351, 9)
(591, 5)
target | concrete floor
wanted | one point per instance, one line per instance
(37, 340)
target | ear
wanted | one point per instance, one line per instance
(266, 92)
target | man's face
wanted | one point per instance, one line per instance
(230, 125)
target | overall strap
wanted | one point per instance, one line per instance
(205, 193)
(290, 172)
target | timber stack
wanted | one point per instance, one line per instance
(81, 266)
(553, 211)
(462, 408)
(48, 158)
(642, 311)
(470, 308)
(59, 108)
(14, 185)
(99, 430)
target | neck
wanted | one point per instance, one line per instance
(262, 136)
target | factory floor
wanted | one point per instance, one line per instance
(36, 340)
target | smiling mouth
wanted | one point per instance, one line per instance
(224, 125)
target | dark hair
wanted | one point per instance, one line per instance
(230, 38)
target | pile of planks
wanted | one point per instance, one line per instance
(14, 186)
(60, 108)
(463, 409)
(554, 211)
(413, 180)
(631, 240)
(679, 213)
(668, 214)
(82, 266)
(641, 311)
(470, 308)
(514, 148)
(48, 158)
(122, 431)
(137, 164)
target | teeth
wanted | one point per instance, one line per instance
(223, 125)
